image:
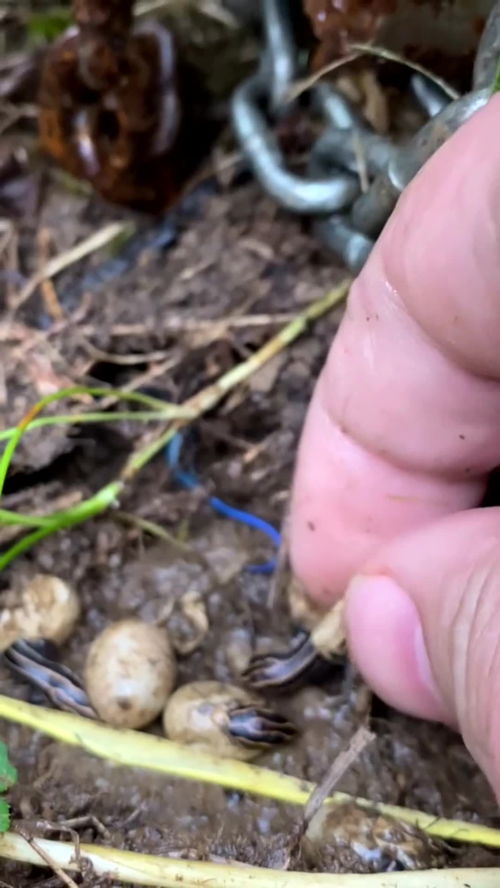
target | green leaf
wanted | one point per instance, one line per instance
(495, 86)
(8, 776)
(4, 816)
(44, 27)
(8, 773)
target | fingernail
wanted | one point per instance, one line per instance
(387, 642)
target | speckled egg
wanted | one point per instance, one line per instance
(46, 607)
(129, 673)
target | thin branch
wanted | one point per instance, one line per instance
(357, 50)
(382, 53)
(49, 860)
(87, 246)
(339, 766)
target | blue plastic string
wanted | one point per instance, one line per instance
(189, 481)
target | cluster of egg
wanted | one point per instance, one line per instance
(130, 674)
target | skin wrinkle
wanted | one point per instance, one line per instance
(390, 459)
(419, 257)
(468, 667)
(434, 341)
(492, 713)
(478, 248)
(481, 659)
(344, 403)
(486, 737)
(444, 657)
(424, 562)
(459, 644)
(474, 600)
(346, 494)
(412, 499)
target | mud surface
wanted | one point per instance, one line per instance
(199, 295)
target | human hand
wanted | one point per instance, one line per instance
(401, 434)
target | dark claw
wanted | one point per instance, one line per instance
(393, 866)
(280, 670)
(35, 662)
(251, 726)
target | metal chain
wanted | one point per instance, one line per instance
(345, 218)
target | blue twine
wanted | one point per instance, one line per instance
(189, 481)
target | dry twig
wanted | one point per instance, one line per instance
(47, 858)
(49, 294)
(342, 763)
(54, 266)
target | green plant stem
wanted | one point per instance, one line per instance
(8, 452)
(14, 435)
(138, 460)
(50, 523)
(120, 395)
(155, 530)
(193, 408)
(16, 519)
(62, 520)
(80, 418)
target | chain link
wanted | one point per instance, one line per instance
(345, 218)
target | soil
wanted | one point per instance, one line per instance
(232, 253)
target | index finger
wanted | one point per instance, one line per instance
(404, 424)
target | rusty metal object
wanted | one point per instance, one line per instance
(117, 107)
(115, 15)
(444, 35)
(347, 222)
(336, 24)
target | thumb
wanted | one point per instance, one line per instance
(423, 623)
